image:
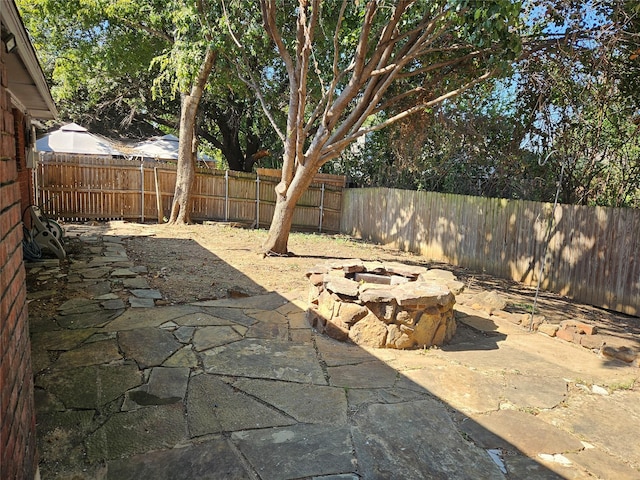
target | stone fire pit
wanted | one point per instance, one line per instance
(382, 305)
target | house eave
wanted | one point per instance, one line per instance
(27, 83)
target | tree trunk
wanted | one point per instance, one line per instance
(278, 238)
(185, 173)
(286, 198)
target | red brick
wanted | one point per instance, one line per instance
(591, 341)
(568, 334)
(586, 328)
(17, 419)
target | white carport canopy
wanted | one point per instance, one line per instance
(73, 138)
(163, 148)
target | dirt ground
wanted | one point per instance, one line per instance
(218, 260)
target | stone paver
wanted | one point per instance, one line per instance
(209, 337)
(535, 392)
(609, 422)
(146, 293)
(149, 347)
(297, 451)
(135, 282)
(306, 403)
(213, 406)
(244, 388)
(147, 317)
(466, 390)
(143, 430)
(261, 358)
(435, 450)
(185, 357)
(168, 385)
(60, 339)
(268, 301)
(201, 319)
(92, 386)
(137, 302)
(371, 374)
(94, 353)
(113, 304)
(511, 428)
(211, 460)
(96, 318)
(603, 465)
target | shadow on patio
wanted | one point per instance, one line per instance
(244, 388)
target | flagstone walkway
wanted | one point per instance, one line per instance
(129, 388)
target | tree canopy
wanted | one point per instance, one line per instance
(362, 67)
(571, 103)
(483, 97)
(119, 68)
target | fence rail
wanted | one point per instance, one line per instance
(593, 253)
(81, 187)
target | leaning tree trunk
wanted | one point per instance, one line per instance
(278, 238)
(287, 195)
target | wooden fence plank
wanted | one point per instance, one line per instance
(86, 187)
(592, 251)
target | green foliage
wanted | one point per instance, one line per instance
(120, 68)
(574, 104)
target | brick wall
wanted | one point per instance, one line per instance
(18, 458)
(21, 127)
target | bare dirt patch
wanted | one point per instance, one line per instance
(218, 260)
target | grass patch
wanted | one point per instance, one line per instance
(522, 307)
(628, 385)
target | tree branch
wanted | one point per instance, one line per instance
(335, 148)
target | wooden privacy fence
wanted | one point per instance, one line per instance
(593, 253)
(82, 187)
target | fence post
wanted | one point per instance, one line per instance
(158, 196)
(321, 207)
(35, 180)
(141, 192)
(226, 195)
(257, 200)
